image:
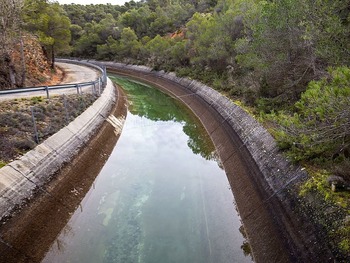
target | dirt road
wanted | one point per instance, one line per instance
(72, 74)
(76, 73)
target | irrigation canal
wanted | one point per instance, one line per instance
(161, 196)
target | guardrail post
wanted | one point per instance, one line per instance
(47, 92)
(77, 86)
(94, 88)
(99, 86)
(104, 76)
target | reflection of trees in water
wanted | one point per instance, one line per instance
(245, 246)
(199, 141)
(152, 104)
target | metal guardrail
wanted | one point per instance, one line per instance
(97, 86)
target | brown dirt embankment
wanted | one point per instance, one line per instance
(28, 235)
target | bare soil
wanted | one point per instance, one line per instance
(27, 236)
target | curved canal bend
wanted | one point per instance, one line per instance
(161, 197)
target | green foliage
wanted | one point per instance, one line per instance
(344, 244)
(36, 100)
(331, 208)
(2, 163)
(320, 127)
(289, 43)
(49, 22)
(137, 19)
(86, 46)
(328, 27)
(158, 51)
(155, 105)
(269, 49)
(212, 39)
(129, 44)
(82, 14)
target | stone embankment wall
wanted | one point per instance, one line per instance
(20, 179)
(263, 182)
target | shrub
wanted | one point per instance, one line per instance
(320, 127)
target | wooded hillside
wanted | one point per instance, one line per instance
(288, 60)
(31, 32)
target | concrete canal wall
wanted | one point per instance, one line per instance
(264, 183)
(20, 179)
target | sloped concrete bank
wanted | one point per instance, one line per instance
(20, 179)
(263, 182)
(27, 236)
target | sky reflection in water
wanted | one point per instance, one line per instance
(161, 197)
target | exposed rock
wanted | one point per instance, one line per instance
(37, 68)
(337, 182)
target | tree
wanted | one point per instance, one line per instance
(291, 42)
(138, 20)
(49, 22)
(10, 35)
(109, 50)
(179, 54)
(170, 18)
(158, 51)
(106, 27)
(94, 35)
(287, 62)
(129, 45)
(86, 45)
(320, 128)
(211, 39)
(327, 25)
(76, 32)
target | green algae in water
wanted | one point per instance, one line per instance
(153, 104)
(158, 197)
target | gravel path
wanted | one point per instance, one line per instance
(76, 73)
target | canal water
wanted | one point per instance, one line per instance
(160, 198)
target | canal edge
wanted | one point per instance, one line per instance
(20, 179)
(275, 229)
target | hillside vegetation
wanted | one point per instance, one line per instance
(288, 60)
(30, 34)
(26, 122)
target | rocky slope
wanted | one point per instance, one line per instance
(36, 67)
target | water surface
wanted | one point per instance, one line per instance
(160, 198)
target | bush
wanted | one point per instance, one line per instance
(24, 144)
(319, 127)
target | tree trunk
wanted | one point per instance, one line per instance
(52, 57)
(11, 70)
(23, 62)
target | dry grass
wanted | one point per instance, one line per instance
(17, 134)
